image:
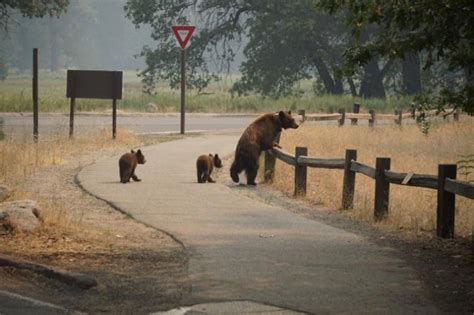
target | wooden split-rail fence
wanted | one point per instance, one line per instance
(397, 117)
(445, 182)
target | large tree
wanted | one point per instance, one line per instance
(163, 62)
(442, 29)
(284, 41)
(289, 41)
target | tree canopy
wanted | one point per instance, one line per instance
(355, 46)
(441, 29)
(284, 42)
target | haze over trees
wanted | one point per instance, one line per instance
(361, 48)
(86, 34)
(10, 9)
(366, 48)
(441, 30)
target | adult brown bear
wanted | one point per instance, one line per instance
(204, 165)
(259, 136)
(127, 165)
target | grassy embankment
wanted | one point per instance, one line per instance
(412, 209)
(15, 96)
(22, 158)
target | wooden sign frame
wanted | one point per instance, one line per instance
(94, 84)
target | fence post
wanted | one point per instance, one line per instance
(355, 110)
(398, 119)
(372, 118)
(349, 180)
(341, 121)
(446, 202)
(300, 172)
(382, 188)
(456, 114)
(302, 113)
(269, 167)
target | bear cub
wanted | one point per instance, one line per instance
(128, 163)
(204, 165)
(259, 136)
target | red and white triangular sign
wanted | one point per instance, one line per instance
(183, 33)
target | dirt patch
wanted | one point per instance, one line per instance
(138, 269)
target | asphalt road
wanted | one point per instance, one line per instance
(245, 250)
(14, 304)
(19, 125)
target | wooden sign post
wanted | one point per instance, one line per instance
(94, 84)
(183, 34)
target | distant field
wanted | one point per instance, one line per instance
(15, 96)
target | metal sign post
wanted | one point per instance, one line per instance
(183, 34)
(183, 88)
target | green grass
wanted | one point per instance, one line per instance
(16, 91)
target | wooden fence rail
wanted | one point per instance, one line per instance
(398, 116)
(445, 182)
(412, 179)
(363, 169)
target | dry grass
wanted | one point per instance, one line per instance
(411, 209)
(21, 158)
(57, 236)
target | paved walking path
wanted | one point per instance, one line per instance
(242, 249)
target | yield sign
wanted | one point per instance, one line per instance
(183, 33)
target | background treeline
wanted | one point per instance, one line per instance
(358, 48)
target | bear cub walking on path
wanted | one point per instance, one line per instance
(259, 136)
(204, 165)
(127, 164)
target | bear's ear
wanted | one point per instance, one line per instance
(281, 114)
(132, 151)
(216, 155)
(139, 151)
(210, 154)
(289, 112)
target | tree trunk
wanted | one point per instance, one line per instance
(352, 86)
(411, 74)
(338, 87)
(331, 86)
(469, 88)
(372, 85)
